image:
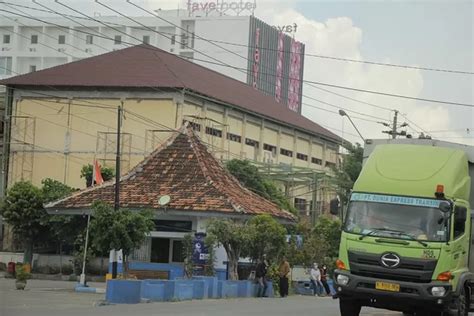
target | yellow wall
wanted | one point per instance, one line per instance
(56, 128)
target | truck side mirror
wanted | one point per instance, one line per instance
(334, 207)
(445, 207)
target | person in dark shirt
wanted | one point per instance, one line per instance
(260, 275)
(324, 279)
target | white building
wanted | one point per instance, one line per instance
(259, 54)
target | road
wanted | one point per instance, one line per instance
(55, 298)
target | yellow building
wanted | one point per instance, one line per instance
(61, 118)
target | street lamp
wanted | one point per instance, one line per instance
(343, 113)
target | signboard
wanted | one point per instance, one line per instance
(279, 69)
(391, 199)
(200, 251)
(294, 82)
(221, 6)
(256, 59)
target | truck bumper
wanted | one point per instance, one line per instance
(412, 296)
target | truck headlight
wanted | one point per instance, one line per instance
(438, 291)
(342, 279)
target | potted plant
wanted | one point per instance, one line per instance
(21, 277)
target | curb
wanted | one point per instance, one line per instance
(86, 289)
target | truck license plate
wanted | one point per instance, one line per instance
(384, 286)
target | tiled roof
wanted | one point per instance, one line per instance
(146, 66)
(185, 170)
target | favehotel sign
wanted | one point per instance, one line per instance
(220, 7)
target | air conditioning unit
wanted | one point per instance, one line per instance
(61, 50)
(88, 50)
(32, 49)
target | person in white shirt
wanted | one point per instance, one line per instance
(315, 279)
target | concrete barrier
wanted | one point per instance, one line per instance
(123, 291)
(211, 285)
(245, 288)
(200, 289)
(228, 289)
(153, 290)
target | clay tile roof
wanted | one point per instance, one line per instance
(185, 170)
(145, 66)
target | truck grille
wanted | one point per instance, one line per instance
(409, 270)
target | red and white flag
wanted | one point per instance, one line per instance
(96, 174)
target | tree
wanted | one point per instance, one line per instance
(329, 231)
(233, 235)
(249, 176)
(349, 171)
(267, 236)
(122, 229)
(106, 172)
(23, 210)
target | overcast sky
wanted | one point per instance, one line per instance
(432, 34)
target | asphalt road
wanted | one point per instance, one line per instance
(54, 298)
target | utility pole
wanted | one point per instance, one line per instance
(117, 160)
(113, 252)
(394, 127)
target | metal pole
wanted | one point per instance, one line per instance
(117, 161)
(356, 128)
(83, 274)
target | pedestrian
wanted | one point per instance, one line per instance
(324, 279)
(315, 279)
(284, 273)
(261, 274)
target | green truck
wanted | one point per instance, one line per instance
(407, 233)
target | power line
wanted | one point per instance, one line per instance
(314, 55)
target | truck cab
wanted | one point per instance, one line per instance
(407, 233)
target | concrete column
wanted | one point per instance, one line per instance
(260, 141)
(278, 145)
(244, 131)
(295, 139)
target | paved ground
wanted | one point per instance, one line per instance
(55, 298)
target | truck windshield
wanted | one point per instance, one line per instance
(418, 219)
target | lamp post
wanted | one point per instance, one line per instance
(343, 113)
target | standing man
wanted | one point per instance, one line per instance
(284, 272)
(260, 274)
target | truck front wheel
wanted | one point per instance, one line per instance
(349, 307)
(461, 303)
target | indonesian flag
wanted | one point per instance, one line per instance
(96, 174)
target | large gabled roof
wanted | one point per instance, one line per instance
(146, 66)
(185, 170)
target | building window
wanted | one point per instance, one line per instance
(146, 39)
(271, 148)
(32, 68)
(330, 164)
(184, 41)
(213, 131)
(192, 39)
(5, 65)
(300, 204)
(89, 39)
(34, 39)
(251, 142)
(234, 137)
(301, 156)
(6, 39)
(316, 161)
(178, 254)
(195, 126)
(62, 39)
(117, 40)
(173, 39)
(286, 152)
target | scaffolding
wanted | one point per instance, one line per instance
(106, 149)
(22, 148)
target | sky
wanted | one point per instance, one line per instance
(432, 34)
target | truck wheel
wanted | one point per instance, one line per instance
(461, 303)
(349, 307)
